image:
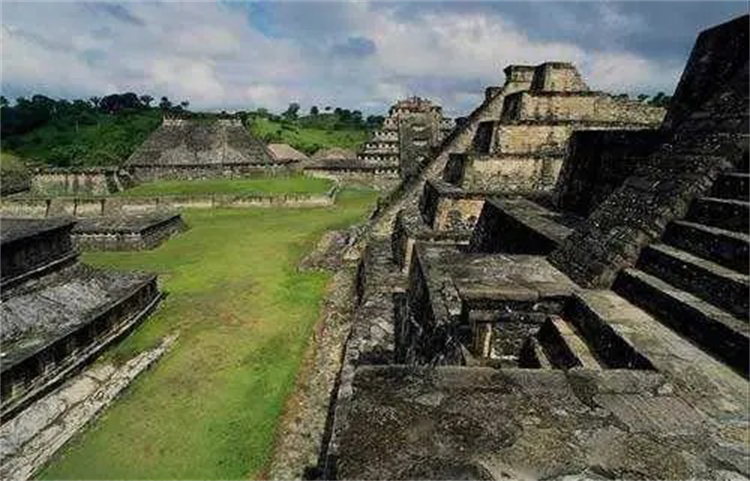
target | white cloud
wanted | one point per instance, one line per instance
(219, 56)
(267, 95)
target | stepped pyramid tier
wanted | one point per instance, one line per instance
(413, 127)
(195, 148)
(58, 313)
(597, 330)
(517, 142)
(286, 153)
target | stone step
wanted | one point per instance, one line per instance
(714, 330)
(722, 287)
(735, 185)
(532, 355)
(726, 214)
(563, 347)
(730, 249)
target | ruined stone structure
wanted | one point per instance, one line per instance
(193, 149)
(592, 320)
(343, 166)
(126, 233)
(413, 127)
(79, 181)
(58, 313)
(286, 153)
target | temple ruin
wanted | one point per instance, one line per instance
(562, 291)
(57, 312)
(413, 127)
(200, 148)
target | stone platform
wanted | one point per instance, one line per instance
(57, 313)
(130, 232)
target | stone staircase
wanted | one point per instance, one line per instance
(695, 280)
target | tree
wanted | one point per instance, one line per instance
(146, 100)
(3, 101)
(116, 102)
(314, 110)
(374, 121)
(642, 98)
(291, 111)
(660, 100)
(95, 101)
(184, 104)
(165, 104)
(328, 108)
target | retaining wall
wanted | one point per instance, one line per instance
(40, 207)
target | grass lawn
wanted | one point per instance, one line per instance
(208, 409)
(297, 184)
(308, 139)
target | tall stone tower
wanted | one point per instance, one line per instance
(412, 128)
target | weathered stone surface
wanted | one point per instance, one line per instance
(127, 232)
(610, 387)
(188, 149)
(30, 439)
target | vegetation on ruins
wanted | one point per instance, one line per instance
(15, 175)
(339, 127)
(245, 314)
(292, 184)
(93, 132)
(659, 100)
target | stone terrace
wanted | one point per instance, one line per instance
(600, 332)
(58, 313)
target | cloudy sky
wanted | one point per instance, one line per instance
(357, 55)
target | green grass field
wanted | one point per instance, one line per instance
(297, 184)
(308, 139)
(209, 408)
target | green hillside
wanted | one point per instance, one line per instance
(338, 128)
(101, 139)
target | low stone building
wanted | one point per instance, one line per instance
(58, 313)
(588, 324)
(285, 153)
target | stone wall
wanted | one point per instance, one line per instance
(706, 141)
(378, 179)
(445, 207)
(93, 237)
(599, 162)
(75, 181)
(93, 206)
(716, 59)
(580, 107)
(150, 173)
(510, 173)
(557, 77)
(47, 243)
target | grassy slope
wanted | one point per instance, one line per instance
(308, 139)
(209, 408)
(107, 142)
(262, 185)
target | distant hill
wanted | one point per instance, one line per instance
(62, 133)
(310, 133)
